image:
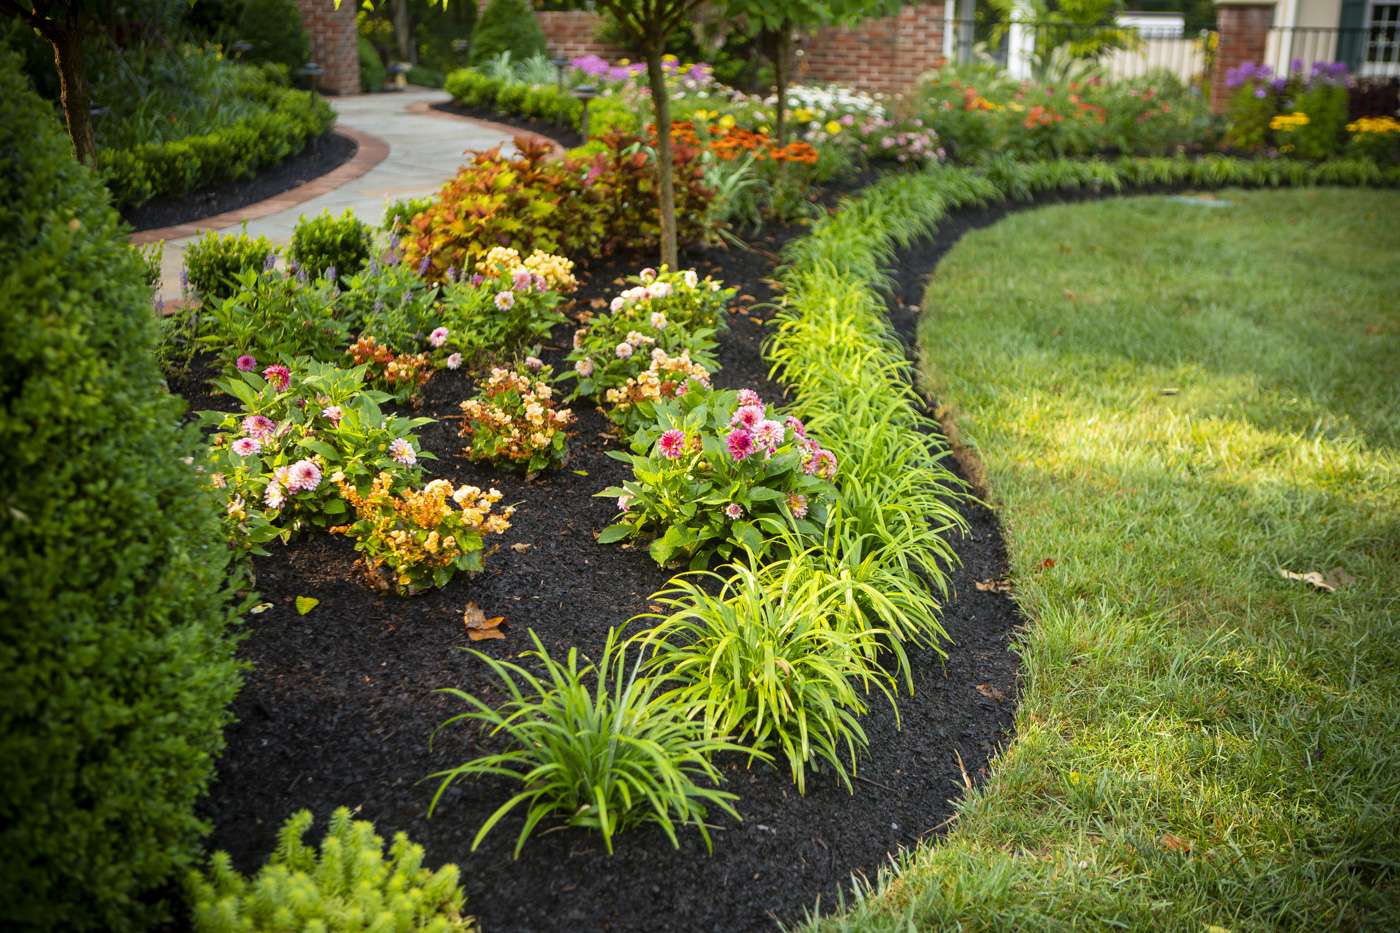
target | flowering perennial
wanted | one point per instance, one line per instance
(514, 419)
(716, 473)
(421, 538)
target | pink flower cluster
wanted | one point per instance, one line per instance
(753, 430)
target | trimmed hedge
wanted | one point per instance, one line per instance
(115, 667)
(292, 119)
(472, 88)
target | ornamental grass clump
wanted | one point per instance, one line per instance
(352, 884)
(594, 745)
(415, 539)
(303, 433)
(719, 473)
(515, 420)
(768, 654)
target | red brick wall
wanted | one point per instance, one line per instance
(886, 54)
(334, 45)
(573, 33)
(1244, 33)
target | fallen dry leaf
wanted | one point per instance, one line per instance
(598, 303)
(480, 628)
(520, 547)
(1335, 579)
(995, 694)
(994, 586)
(1175, 843)
(1047, 563)
(619, 281)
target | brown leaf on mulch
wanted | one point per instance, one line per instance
(480, 628)
(520, 547)
(994, 586)
(995, 694)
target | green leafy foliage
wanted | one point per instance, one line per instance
(282, 126)
(372, 71)
(506, 26)
(320, 244)
(274, 29)
(473, 88)
(117, 671)
(215, 262)
(270, 316)
(299, 433)
(717, 475)
(351, 884)
(605, 756)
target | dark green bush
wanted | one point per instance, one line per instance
(506, 26)
(169, 169)
(115, 667)
(371, 67)
(472, 88)
(400, 213)
(214, 262)
(424, 77)
(320, 243)
(275, 29)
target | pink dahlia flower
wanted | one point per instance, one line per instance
(734, 510)
(403, 452)
(438, 337)
(279, 375)
(768, 434)
(740, 443)
(747, 416)
(673, 444)
(247, 446)
(247, 363)
(259, 426)
(749, 397)
(505, 300)
(454, 361)
(797, 504)
(332, 414)
(303, 476)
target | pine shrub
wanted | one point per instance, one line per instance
(506, 26)
(350, 885)
(115, 667)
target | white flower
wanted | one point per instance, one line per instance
(624, 350)
(690, 278)
(454, 361)
(618, 303)
(658, 320)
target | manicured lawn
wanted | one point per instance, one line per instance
(1172, 402)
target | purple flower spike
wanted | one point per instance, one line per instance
(423, 266)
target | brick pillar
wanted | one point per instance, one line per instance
(1244, 34)
(334, 43)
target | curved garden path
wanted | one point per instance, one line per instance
(424, 150)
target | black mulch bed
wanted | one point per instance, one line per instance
(323, 154)
(566, 136)
(339, 705)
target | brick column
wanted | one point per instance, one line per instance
(334, 43)
(1244, 34)
(886, 54)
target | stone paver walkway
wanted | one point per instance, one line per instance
(424, 151)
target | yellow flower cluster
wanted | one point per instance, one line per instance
(557, 272)
(664, 378)
(514, 420)
(1374, 125)
(1288, 122)
(420, 530)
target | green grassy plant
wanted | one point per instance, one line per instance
(1171, 415)
(605, 756)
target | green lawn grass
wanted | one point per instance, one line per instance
(1172, 402)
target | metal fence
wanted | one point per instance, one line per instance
(1032, 49)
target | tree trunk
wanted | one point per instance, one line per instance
(403, 33)
(68, 57)
(666, 189)
(782, 76)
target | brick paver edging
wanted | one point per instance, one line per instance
(369, 152)
(426, 109)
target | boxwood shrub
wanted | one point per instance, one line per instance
(116, 669)
(169, 169)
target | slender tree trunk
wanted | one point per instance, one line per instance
(782, 76)
(403, 33)
(666, 189)
(68, 57)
